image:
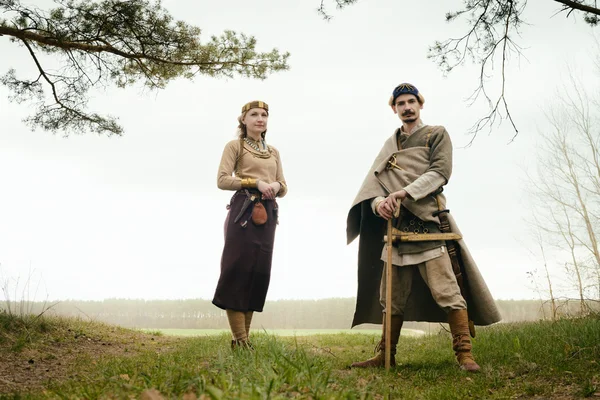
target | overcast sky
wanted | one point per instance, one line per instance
(140, 216)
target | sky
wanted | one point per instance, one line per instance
(90, 217)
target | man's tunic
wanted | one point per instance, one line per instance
(427, 151)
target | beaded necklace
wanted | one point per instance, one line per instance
(255, 145)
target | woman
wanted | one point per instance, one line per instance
(250, 224)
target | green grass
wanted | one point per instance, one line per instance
(529, 360)
(276, 332)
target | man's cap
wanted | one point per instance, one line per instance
(406, 88)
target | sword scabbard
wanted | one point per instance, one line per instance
(451, 246)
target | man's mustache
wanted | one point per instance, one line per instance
(405, 113)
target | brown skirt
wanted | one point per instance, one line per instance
(246, 259)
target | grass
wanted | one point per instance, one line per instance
(528, 360)
(277, 332)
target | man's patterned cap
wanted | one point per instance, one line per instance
(406, 88)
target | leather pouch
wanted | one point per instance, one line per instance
(259, 214)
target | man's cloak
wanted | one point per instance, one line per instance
(362, 222)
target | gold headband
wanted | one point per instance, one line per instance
(255, 104)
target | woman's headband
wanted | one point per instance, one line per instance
(255, 104)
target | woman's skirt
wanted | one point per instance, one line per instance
(247, 255)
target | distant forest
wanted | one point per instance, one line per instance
(333, 313)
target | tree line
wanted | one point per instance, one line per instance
(332, 313)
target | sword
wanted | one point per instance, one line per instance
(388, 287)
(395, 235)
(398, 235)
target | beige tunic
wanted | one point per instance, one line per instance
(252, 164)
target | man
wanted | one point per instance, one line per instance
(410, 170)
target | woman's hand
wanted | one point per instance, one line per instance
(268, 193)
(276, 187)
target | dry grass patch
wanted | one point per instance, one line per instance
(35, 352)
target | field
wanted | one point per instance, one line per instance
(58, 358)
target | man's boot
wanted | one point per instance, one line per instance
(379, 359)
(461, 341)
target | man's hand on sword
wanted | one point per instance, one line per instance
(386, 207)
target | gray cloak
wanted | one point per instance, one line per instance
(428, 149)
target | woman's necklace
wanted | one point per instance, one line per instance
(255, 145)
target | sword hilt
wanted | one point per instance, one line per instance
(437, 213)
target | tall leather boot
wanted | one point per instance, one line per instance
(379, 359)
(461, 341)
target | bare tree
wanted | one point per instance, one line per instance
(566, 189)
(493, 32)
(538, 234)
(114, 42)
